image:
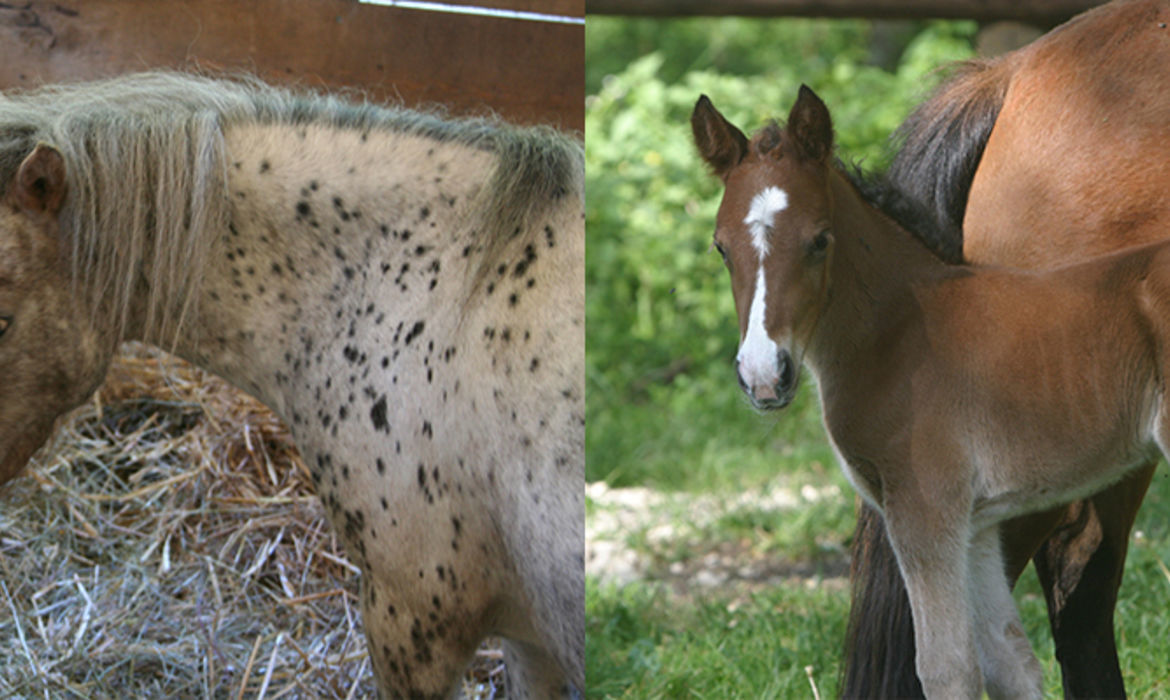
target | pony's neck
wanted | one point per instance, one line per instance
(326, 226)
(875, 268)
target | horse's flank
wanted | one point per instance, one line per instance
(147, 174)
(1065, 95)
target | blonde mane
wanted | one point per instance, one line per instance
(146, 169)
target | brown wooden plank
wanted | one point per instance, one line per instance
(529, 72)
(1034, 11)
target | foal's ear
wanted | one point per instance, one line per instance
(810, 127)
(719, 142)
(39, 187)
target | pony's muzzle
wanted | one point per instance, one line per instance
(770, 396)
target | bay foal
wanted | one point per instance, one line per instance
(1087, 98)
(955, 397)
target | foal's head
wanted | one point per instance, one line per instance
(773, 232)
(49, 358)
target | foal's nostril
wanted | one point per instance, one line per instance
(738, 375)
(787, 372)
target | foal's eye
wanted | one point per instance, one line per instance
(818, 245)
(5, 322)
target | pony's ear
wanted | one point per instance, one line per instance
(810, 127)
(39, 186)
(719, 142)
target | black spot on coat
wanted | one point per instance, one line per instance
(378, 415)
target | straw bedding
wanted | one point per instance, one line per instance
(167, 544)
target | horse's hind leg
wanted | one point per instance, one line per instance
(1010, 669)
(879, 647)
(423, 631)
(1080, 568)
(546, 644)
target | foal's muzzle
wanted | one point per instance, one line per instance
(770, 397)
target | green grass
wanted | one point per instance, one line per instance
(646, 641)
(642, 644)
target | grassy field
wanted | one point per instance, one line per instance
(722, 595)
(666, 635)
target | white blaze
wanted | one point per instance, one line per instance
(757, 352)
(762, 214)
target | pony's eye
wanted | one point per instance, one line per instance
(5, 322)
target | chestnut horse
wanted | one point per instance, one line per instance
(956, 397)
(1002, 149)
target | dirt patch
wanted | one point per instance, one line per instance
(639, 534)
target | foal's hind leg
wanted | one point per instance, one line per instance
(1010, 669)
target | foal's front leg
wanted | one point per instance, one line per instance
(931, 540)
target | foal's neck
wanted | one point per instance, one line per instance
(876, 268)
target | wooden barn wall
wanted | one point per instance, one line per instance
(528, 72)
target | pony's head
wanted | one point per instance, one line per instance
(49, 349)
(773, 232)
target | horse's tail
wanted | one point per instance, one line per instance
(879, 643)
(942, 142)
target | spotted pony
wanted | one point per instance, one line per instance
(404, 289)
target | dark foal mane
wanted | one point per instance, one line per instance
(882, 192)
